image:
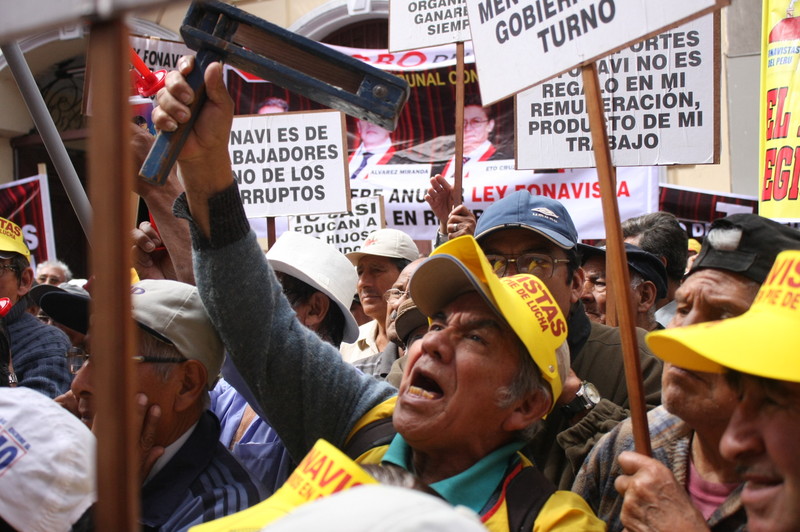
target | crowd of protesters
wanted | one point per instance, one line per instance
(488, 384)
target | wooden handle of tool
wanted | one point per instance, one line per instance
(168, 145)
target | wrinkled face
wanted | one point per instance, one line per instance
(710, 294)
(514, 242)
(376, 275)
(371, 135)
(594, 289)
(762, 439)
(50, 275)
(448, 395)
(158, 391)
(477, 127)
(697, 397)
(394, 302)
(706, 295)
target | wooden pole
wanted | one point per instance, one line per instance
(618, 277)
(271, 231)
(113, 339)
(459, 155)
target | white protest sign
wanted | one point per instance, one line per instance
(659, 97)
(423, 23)
(346, 232)
(578, 190)
(519, 44)
(290, 163)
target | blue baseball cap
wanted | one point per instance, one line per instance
(540, 214)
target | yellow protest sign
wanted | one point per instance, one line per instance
(780, 99)
(325, 470)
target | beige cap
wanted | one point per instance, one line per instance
(389, 243)
(173, 312)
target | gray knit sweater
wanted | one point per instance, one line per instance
(38, 352)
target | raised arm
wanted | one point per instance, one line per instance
(204, 165)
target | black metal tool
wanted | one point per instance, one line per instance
(221, 32)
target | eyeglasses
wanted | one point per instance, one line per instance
(542, 266)
(474, 122)
(78, 357)
(394, 293)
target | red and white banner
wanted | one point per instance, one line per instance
(578, 190)
(26, 202)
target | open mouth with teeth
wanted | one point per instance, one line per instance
(425, 387)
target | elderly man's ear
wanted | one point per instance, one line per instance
(647, 296)
(527, 411)
(194, 383)
(25, 282)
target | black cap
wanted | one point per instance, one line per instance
(645, 264)
(68, 309)
(38, 291)
(750, 251)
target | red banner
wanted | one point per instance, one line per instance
(696, 209)
(26, 202)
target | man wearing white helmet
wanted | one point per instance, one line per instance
(319, 282)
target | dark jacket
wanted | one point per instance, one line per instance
(559, 448)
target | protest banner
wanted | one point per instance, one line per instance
(424, 23)
(26, 202)
(578, 190)
(290, 163)
(660, 99)
(518, 45)
(324, 471)
(696, 209)
(425, 133)
(779, 152)
(347, 231)
(424, 147)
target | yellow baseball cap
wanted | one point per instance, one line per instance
(523, 301)
(758, 342)
(324, 471)
(12, 241)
